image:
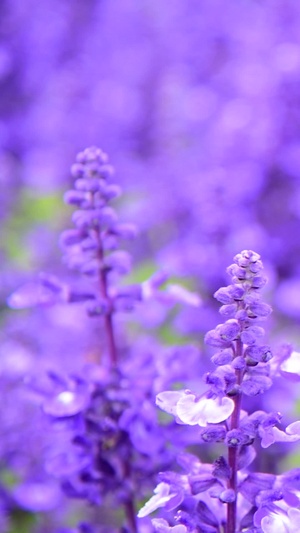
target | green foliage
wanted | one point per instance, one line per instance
(8, 478)
(170, 337)
(33, 208)
(30, 211)
(141, 272)
(22, 521)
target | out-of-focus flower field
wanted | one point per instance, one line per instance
(197, 104)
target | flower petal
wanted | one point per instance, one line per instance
(66, 403)
(205, 410)
(161, 496)
(291, 365)
(167, 401)
(294, 428)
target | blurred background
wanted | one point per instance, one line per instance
(198, 106)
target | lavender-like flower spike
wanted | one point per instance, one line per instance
(241, 368)
(242, 303)
(92, 246)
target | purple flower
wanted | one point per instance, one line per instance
(271, 434)
(48, 290)
(37, 496)
(66, 403)
(213, 433)
(69, 462)
(161, 526)
(279, 518)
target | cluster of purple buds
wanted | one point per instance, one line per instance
(239, 338)
(224, 496)
(92, 247)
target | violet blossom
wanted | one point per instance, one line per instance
(243, 369)
(101, 418)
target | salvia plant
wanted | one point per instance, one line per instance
(200, 104)
(107, 444)
(228, 496)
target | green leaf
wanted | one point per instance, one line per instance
(22, 521)
(141, 272)
(30, 211)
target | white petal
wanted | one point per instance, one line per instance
(204, 410)
(180, 294)
(167, 401)
(294, 428)
(292, 364)
(221, 410)
(272, 523)
(161, 496)
(282, 523)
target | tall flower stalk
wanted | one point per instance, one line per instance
(92, 246)
(225, 496)
(242, 302)
(105, 414)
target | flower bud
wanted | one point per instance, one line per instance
(227, 496)
(222, 358)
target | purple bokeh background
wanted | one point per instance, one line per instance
(198, 106)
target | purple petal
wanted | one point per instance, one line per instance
(66, 403)
(294, 428)
(276, 435)
(66, 464)
(125, 231)
(223, 295)
(213, 338)
(119, 261)
(30, 295)
(37, 496)
(161, 526)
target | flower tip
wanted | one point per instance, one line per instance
(13, 301)
(22, 298)
(293, 428)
